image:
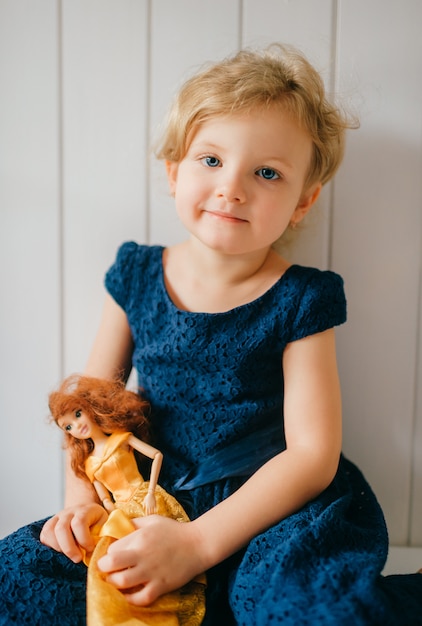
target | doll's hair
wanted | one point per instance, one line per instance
(253, 80)
(107, 402)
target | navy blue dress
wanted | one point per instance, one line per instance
(216, 388)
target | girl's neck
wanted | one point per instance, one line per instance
(199, 279)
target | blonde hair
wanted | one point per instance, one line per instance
(250, 80)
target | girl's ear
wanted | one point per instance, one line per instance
(306, 201)
(171, 169)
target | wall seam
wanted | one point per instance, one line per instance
(60, 164)
(147, 129)
(417, 393)
(333, 88)
(415, 401)
(240, 29)
(60, 208)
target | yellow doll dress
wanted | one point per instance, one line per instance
(117, 470)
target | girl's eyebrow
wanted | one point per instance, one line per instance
(205, 146)
(284, 162)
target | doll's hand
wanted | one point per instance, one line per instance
(161, 556)
(149, 504)
(70, 529)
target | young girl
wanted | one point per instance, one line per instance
(235, 350)
(95, 415)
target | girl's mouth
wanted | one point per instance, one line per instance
(226, 216)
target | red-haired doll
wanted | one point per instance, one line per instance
(100, 419)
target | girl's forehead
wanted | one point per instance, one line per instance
(272, 115)
(271, 130)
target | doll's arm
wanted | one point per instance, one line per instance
(157, 460)
(104, 496)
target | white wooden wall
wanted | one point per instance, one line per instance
(83, 87)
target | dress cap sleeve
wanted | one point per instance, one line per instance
(322, 305)
(118, 278)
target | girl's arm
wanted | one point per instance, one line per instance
(111, 354)
(110, 358)
(164, 555)
(157, 460)
(312, 417)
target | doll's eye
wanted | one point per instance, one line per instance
(78, 413)
(68, 428)
(211, 161)
(268, 173)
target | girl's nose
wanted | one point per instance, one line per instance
(231, 187)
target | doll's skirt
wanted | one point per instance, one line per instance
(319, 567)
(107, 606)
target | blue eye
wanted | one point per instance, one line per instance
(268, 173)
(211, 161)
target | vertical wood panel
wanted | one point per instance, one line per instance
(308, 26)
(105, 69)
(377, 243)
(30, 467)
(416, 452)
(184, 35)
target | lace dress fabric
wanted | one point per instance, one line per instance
(215, 379)
(215, 383)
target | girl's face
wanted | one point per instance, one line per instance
(79, 425)
(242, 180)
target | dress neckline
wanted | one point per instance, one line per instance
(244, 306)
(114, 441)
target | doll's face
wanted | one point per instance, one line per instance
(78, 424)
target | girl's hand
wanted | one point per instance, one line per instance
(161, 556)
(69, 530)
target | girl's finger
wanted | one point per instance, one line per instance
(127, 579)
(118, 561)
(66, 541)
(81, 533)
(48, 536)
(143, 595)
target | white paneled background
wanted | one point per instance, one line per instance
(84, 85)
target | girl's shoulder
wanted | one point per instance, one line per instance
(131, 255)
(312, 279)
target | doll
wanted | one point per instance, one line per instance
(100, 419)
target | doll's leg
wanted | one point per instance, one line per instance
(39, 586)
(322, 566)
